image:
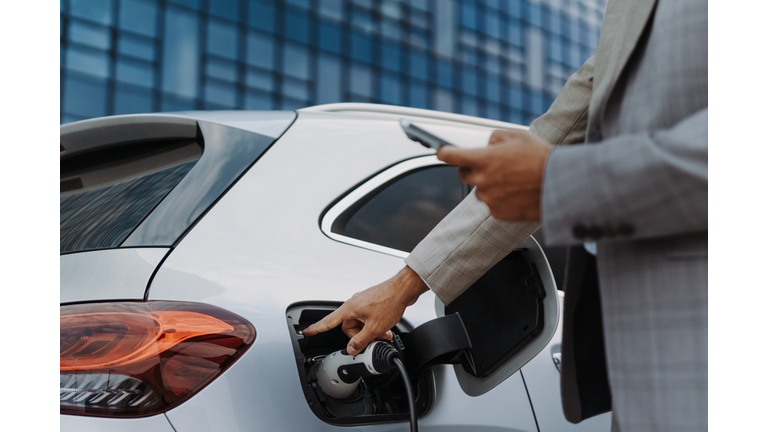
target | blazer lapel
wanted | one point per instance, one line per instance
(624, 23)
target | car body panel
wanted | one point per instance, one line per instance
(245, 258)
(543, 380)
(157, 423)
(108, 274)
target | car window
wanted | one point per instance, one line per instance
(105, 196)
(400, 213)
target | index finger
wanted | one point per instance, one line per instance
(328, 322)
(459, 156)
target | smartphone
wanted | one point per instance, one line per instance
(421, 136)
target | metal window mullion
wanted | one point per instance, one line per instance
(157, 64)
(112, 53)
(202, 40)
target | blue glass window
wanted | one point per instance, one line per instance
(296, 60)
(363, 21)
(419, 4)
(330, 37)
(389, 90)
(258, 100)
(332, 9)
(131, 100)
(468, 14)
(419, 38)
(222, 39)
(574, 56)
(296, 89)
(363, 3)
(260, 51)
(533, 14)
(516, 98)
(180, 52)
(513, 7)
(552, 21)
(515, 33)
(417, 95)
(259, 79)
(469, 106)
(469, 81)
(493, 111)
(177, 103)
(222, 69)
(135, 72)
(390, 56)
(417, 64)
(99, 11)
(219, 95)
(329, 78)
(261, 15)
(136, 46)
(361, 47)
(418, 19)
(89, 34)
(194, 4)
(224, 9)
(492, 64)
(492, 24)
(88, 61)
(493, 88)
(84, 98)
(304, 4)
(361, 81)
(139, 16)
(515, 116)
(554, 49)
(390, 29)
(445, 73)
(296, 26)
(537, 103)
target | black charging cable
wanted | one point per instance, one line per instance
(385, 358)
(409, 394)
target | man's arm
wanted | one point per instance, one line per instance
(631, 186)
(465, 244)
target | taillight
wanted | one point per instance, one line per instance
(133, 359)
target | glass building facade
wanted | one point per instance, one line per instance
(499, 59)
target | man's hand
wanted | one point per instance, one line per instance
(508, 173)
(369, 314)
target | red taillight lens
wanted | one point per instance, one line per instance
(133, 359)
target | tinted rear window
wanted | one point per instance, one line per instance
(104, 197)
(402, 212)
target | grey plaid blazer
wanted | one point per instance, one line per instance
(639, 189)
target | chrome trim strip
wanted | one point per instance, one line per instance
(330, 216)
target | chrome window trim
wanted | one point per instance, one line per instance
(351, 198)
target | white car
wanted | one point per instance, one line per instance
(195, 246)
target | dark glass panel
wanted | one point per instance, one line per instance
(404, 211)
(104, 217)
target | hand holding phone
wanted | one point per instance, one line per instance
(421, 136)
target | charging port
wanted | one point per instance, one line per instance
(377, 399)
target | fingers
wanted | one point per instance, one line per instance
(459, 156)
(500, 136)
(328, 322)
(361, 340)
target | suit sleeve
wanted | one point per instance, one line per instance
(468, 242)
(631, 186)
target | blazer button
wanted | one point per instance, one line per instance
(580, 232)
(625, 230)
